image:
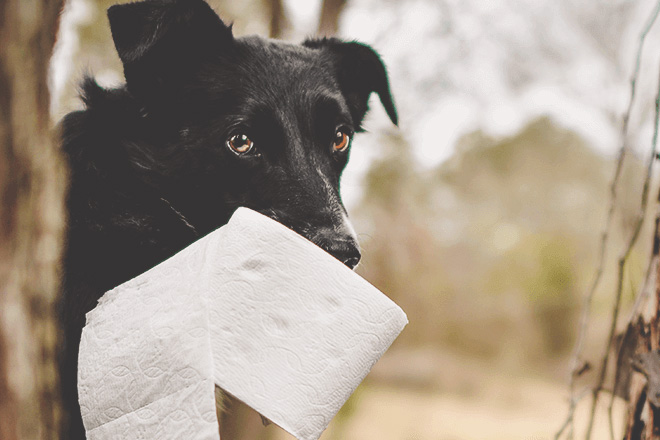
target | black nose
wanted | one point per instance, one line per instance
(345, 251)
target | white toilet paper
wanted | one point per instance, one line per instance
(253, 308)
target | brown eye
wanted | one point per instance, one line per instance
(240, 143)
(342, 141)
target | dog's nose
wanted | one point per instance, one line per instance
(344, 250)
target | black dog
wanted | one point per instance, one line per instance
(205, 123)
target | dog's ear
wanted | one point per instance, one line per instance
(160, 42)
(359, 71)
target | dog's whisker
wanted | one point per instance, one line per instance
(181, 216)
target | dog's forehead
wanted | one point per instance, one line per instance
(270, 76)
(279, 63)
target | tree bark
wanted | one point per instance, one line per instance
(643, 390)
(330, 13)
(31, 221)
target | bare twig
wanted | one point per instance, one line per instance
(645, 290)
(569, 420)
(604, 240)
(622, 262)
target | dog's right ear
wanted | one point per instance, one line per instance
(360, 71)
(161, 42)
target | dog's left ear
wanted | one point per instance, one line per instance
(359, 71)
(160, 42)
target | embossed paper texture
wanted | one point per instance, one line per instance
(253, 308)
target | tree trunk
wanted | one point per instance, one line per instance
(330, 13)
(642, 340)
(31, 221)
(240, 422)
(278, 21)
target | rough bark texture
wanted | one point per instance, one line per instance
(330, 13)
(31, 220)
(643, 420)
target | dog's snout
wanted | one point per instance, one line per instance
(338, 240)
(345, 251)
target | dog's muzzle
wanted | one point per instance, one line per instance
(339, 240)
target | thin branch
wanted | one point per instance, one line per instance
(651, 269)
(638, 61)
(624, 258)
(604, 240)
(568, 421)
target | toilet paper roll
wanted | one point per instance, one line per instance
(253, 308)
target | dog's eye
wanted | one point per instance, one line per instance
(240, 144)
(342, 141)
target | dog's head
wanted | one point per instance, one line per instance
(245, 121)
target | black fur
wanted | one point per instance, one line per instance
(150, 168)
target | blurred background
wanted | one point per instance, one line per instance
(481, 214)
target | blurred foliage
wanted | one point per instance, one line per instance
(490, 252)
